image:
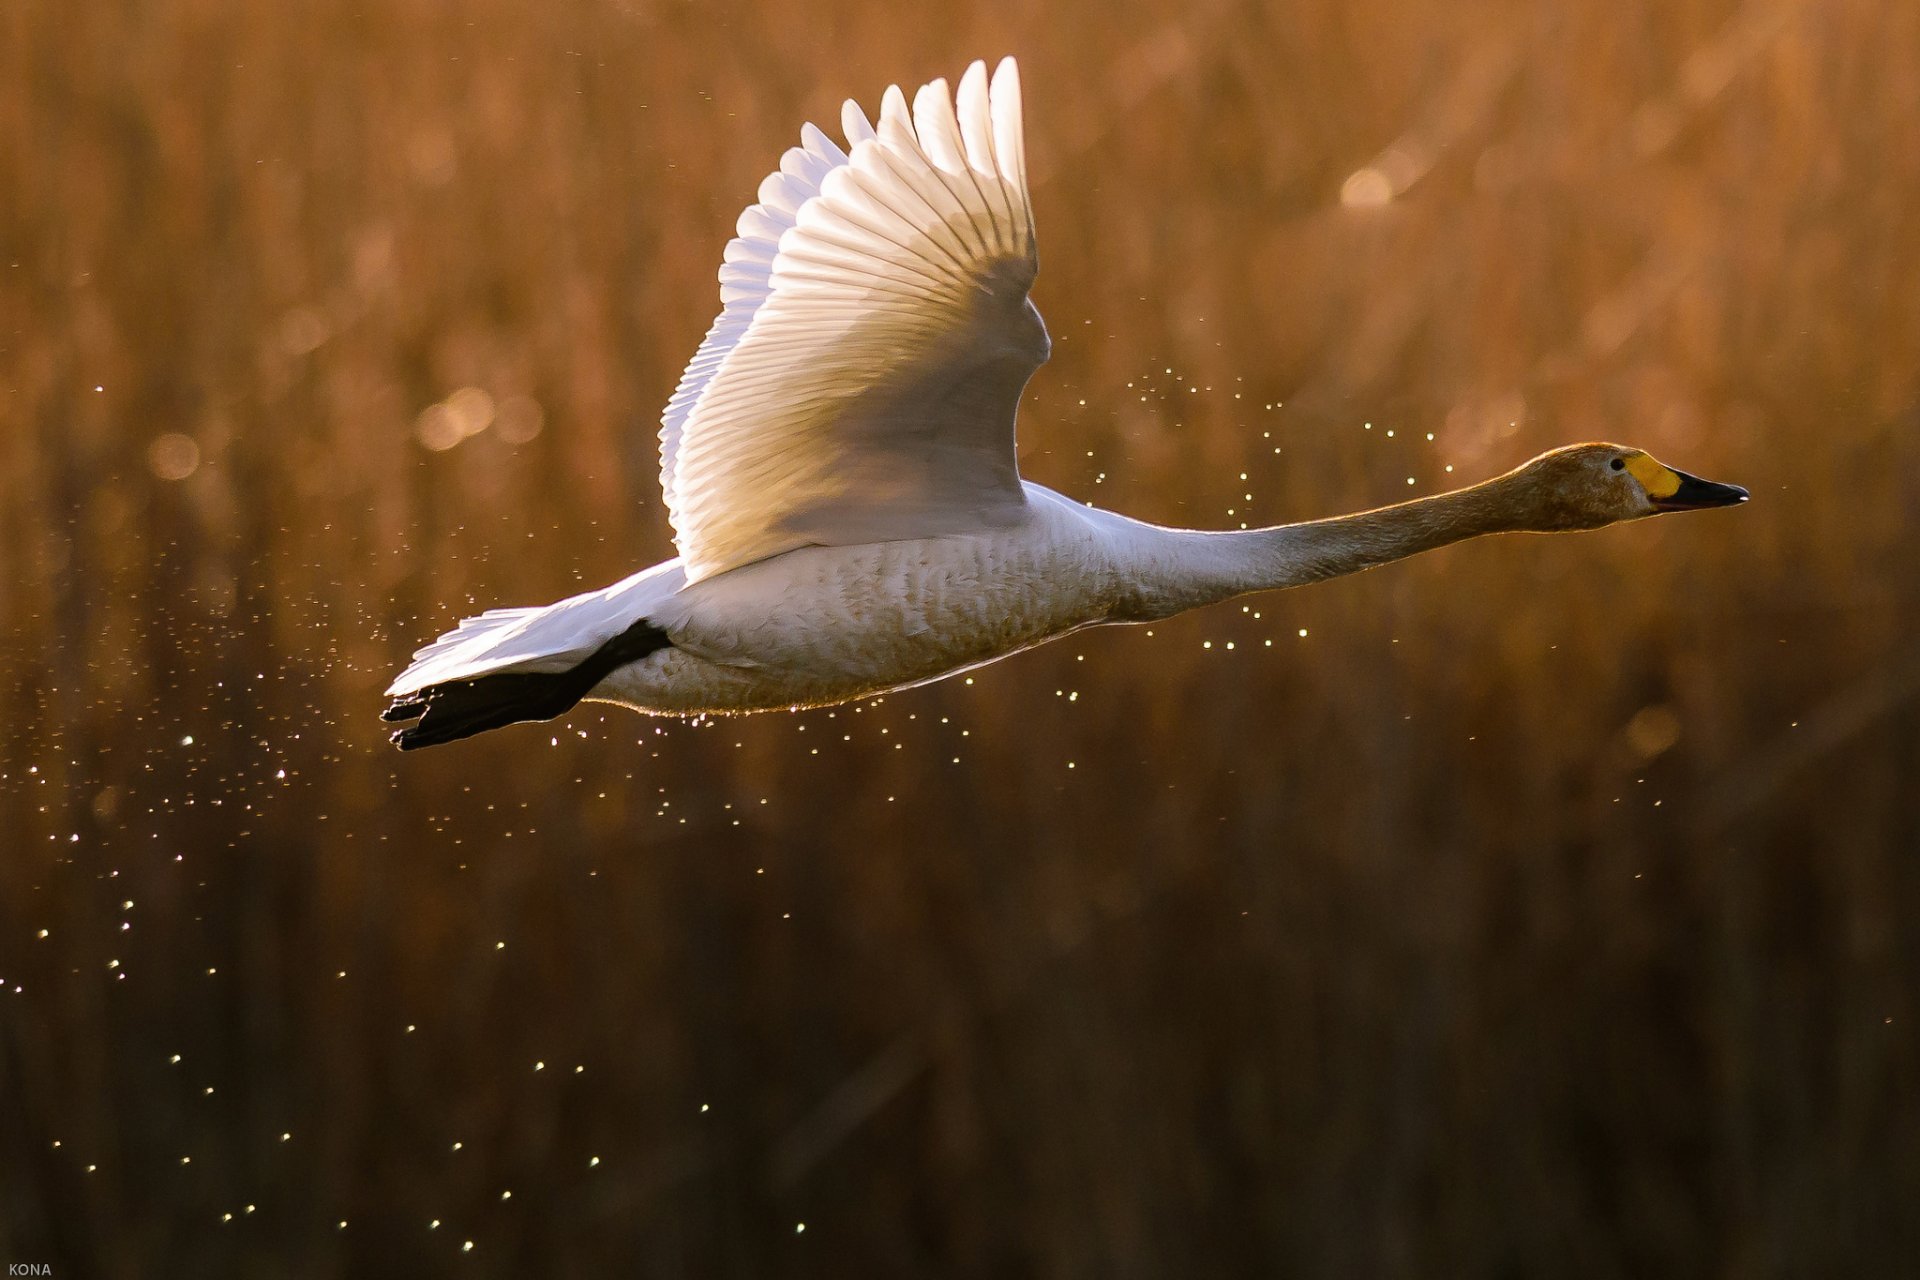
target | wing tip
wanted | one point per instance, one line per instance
(854, 124)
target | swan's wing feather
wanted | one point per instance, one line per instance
(860, 382)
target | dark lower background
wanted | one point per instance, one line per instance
(1539, 907)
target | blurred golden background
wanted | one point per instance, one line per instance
(1537, 907)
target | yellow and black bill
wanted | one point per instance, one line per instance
(1671, 490)
(1695, 494)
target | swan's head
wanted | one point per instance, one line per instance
(1585, 486)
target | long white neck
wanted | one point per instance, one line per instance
(1172, 570)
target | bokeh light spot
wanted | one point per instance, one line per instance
(173, 456)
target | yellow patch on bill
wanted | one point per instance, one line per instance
(1658, 480)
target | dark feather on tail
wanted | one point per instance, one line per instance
(461, 708)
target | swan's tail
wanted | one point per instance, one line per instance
(510, 665)
(455, 709)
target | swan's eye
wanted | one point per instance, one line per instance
(1618, 464)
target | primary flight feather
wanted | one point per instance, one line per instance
(838, 464)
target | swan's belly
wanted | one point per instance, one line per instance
(825, 624)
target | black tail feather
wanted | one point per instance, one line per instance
(461, 708)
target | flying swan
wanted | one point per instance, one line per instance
(838, 464)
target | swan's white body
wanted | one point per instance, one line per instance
(820, 625)
(838, 463)
(838, 458)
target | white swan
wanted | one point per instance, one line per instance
(838, 463)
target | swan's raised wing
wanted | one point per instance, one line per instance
(861, 381)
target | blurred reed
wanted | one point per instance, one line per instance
(1532, 908)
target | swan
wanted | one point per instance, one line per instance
(838, 466)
